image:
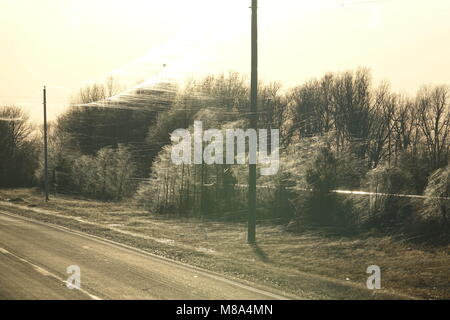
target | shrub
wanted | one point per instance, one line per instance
(437, 204)
(321, 206)
(389, 210)
(107, 176)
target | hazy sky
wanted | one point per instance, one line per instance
(65, 44)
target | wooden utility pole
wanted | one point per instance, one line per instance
(45, 146)
(251, 233)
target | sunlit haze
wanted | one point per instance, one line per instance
(67, 44)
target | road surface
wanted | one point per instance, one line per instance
(34, 258)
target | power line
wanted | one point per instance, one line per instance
(362, 2)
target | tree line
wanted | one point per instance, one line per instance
(340, 131)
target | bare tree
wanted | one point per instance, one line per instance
(381, 119)
(18, 148)
(14, 126)
(433, 112)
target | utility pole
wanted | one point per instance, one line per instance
(45, 146)
(251, 233)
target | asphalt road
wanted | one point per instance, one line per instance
(34, 258)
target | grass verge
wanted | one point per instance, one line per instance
(311, 265)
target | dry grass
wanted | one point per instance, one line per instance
(311, 264)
